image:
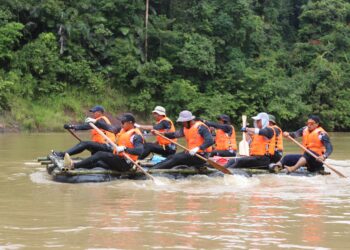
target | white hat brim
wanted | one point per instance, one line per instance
(158, 112)
(185, 120)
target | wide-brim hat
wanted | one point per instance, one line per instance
(159, 110)
(185, 116)
(261, 116)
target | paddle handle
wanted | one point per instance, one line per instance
(125, 155)
(244, 124)
(315, 156)
(214, 164)
(177, 144)
(74, 134)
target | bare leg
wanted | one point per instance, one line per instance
(301, 162)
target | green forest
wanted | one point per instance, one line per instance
(289, 58)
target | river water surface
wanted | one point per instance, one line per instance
(262, 212)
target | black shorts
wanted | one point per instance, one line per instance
(313, 165)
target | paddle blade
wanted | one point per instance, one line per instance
(244, 148)
(219, 167)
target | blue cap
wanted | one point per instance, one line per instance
(97, 108)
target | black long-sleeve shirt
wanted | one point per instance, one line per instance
(277, 131)
(323, 137)
(202, 130)
(101, 123)
(137, 141)
(162, 125)
(267, 132)
(227, 128)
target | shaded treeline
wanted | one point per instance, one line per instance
(286, 57)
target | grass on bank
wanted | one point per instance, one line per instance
(51, 113)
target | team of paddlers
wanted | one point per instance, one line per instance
(265, 142)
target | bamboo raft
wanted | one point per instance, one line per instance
(55, 169)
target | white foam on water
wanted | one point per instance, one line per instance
(26, 228)
(121, 229)
(32, 163)
(192, 184)
(101, 248)
(10, 246)
(301, 247)
(53, 246)
(41, 177)
(342, 166)
(78, 229)
(240, 181)
(340, 163)
(339, 222)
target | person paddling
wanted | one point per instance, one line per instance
(164, 125)
(97, 143)
(278, 140)
(259, 141)
(315, 139)
(130, 142)
(225, 137)
(199, 141)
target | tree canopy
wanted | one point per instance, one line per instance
(289, 58)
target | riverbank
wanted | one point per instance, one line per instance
(49, 114)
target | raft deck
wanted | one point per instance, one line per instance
(54, 167)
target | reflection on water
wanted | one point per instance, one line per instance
(263, 212)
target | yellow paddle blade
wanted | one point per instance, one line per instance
(219, 167)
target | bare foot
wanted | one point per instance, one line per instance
(68, 162)
(290, 169)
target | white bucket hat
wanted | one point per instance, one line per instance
(159, 110)
(185, 116)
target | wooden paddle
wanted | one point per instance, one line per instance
(125, 155)
(243, 145)
(315, 156)
(211, 162)
(74, 134)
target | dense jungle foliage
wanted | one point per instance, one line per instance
(285, 57)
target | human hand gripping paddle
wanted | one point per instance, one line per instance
(243, 145)
(157, 182)
(315, 156)
(213, 163)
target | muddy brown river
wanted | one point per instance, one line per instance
(261, 212)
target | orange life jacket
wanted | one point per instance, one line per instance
(312, 141)
(261, 145)
(279, 139)
(161, 140)
(96, 137)
(193, 138)
(223, 141)
(124, 139)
